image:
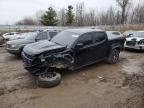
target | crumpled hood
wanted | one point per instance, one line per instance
(134, 39)
(40, 47)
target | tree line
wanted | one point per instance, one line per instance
(124, 13)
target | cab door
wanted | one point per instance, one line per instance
(83, 53)
(100, 46)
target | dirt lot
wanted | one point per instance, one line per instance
(98, 86)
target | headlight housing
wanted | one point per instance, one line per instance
(13, 46)
(141, 42)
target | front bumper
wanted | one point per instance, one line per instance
(136, 47)
(14, 51)
(32, 65)
(133, 45)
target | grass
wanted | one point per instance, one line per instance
(127, 27)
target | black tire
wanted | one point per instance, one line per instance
(114, 56)
(49, 80)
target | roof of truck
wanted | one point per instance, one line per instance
(84, 30)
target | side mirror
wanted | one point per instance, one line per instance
(129, 35)
(36, 39)
(79, 45)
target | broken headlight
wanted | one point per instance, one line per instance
(141, 42)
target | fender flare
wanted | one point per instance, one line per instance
(114, 46)
(21, 48)
(62, 61)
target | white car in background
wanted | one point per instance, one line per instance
(11, 35)
(135, 41)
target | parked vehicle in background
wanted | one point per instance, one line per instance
(135, 41)
(71, 49)
(129, 33)
(16, 46)
(10, 36)
(2, 40)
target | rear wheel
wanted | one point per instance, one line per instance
(48, 80)
(114, 56)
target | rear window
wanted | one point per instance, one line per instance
(99, 36)
(10, 34)
(115, 33)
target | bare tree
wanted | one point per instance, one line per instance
(27, 21)
(124, 5)
(61, 16)
(79, 14)
(90, 18)
(111, 17)
(107, 18)
(137, 15)
(118, 17)
(38, 16)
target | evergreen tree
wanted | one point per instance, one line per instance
(69, 16)
(49, 18)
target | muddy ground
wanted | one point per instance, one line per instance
(98, 86)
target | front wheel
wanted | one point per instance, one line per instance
(114, 56)
(48, 80)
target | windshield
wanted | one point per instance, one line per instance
(138, 34)
(129, 32)
(29, 36)
(65, 38)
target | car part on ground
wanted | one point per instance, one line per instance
(47, 80)
(16, 46)
(135, 41)
(72, 49)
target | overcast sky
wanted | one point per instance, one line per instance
(14, 10)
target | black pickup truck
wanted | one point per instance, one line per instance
(71, 49)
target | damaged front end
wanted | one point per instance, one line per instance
(36, 65)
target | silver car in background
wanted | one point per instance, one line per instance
(16, 46)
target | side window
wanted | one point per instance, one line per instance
(45, 36)
(52, 34)
(11, 34)
(116, 33)
(39, 36)
(42, 36)
(99, 36)
(86, 39)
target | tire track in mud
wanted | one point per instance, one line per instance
(12, 75)
(133, 73)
